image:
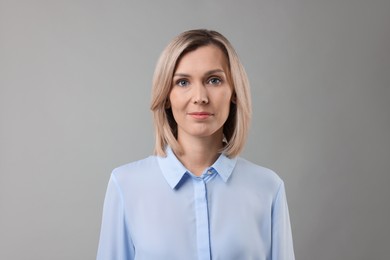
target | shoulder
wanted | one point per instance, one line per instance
(137, 169)
(257, 175)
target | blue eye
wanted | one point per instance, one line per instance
(215, 81)
(182, 83)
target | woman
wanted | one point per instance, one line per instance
(196, 199)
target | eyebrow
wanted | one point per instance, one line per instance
(206, 74)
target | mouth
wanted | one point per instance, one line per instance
(200, 115)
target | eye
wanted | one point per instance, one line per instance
(214, 81)
(182, 83)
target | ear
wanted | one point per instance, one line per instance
(234, 98)
(167, 104)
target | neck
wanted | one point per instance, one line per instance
(199, 153)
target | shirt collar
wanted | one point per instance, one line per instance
(173, 170)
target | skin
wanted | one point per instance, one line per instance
(200, 101)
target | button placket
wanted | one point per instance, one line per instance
(202, 219)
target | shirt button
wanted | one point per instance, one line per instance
(209, 172)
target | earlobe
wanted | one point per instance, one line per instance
(167, 104)
(234, 99)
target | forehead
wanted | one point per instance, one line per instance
(203, 58)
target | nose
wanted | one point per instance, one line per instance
(200, 95)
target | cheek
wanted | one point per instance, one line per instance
(172, 99)
(175, 104)
(226, 99)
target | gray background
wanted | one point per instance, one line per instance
(75, 80)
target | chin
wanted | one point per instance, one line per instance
(201, 132)
(204, 133)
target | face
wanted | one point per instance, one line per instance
(201, 95)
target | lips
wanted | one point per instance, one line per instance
(200, 115)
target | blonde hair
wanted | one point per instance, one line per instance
(236, 126)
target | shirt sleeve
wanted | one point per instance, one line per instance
(115, 242)
(282, 243)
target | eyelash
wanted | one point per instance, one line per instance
(215, 78)
(185, 82)
(180, 81)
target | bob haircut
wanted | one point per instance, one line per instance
(236, 127)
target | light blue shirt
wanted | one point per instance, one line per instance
(155, 209)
